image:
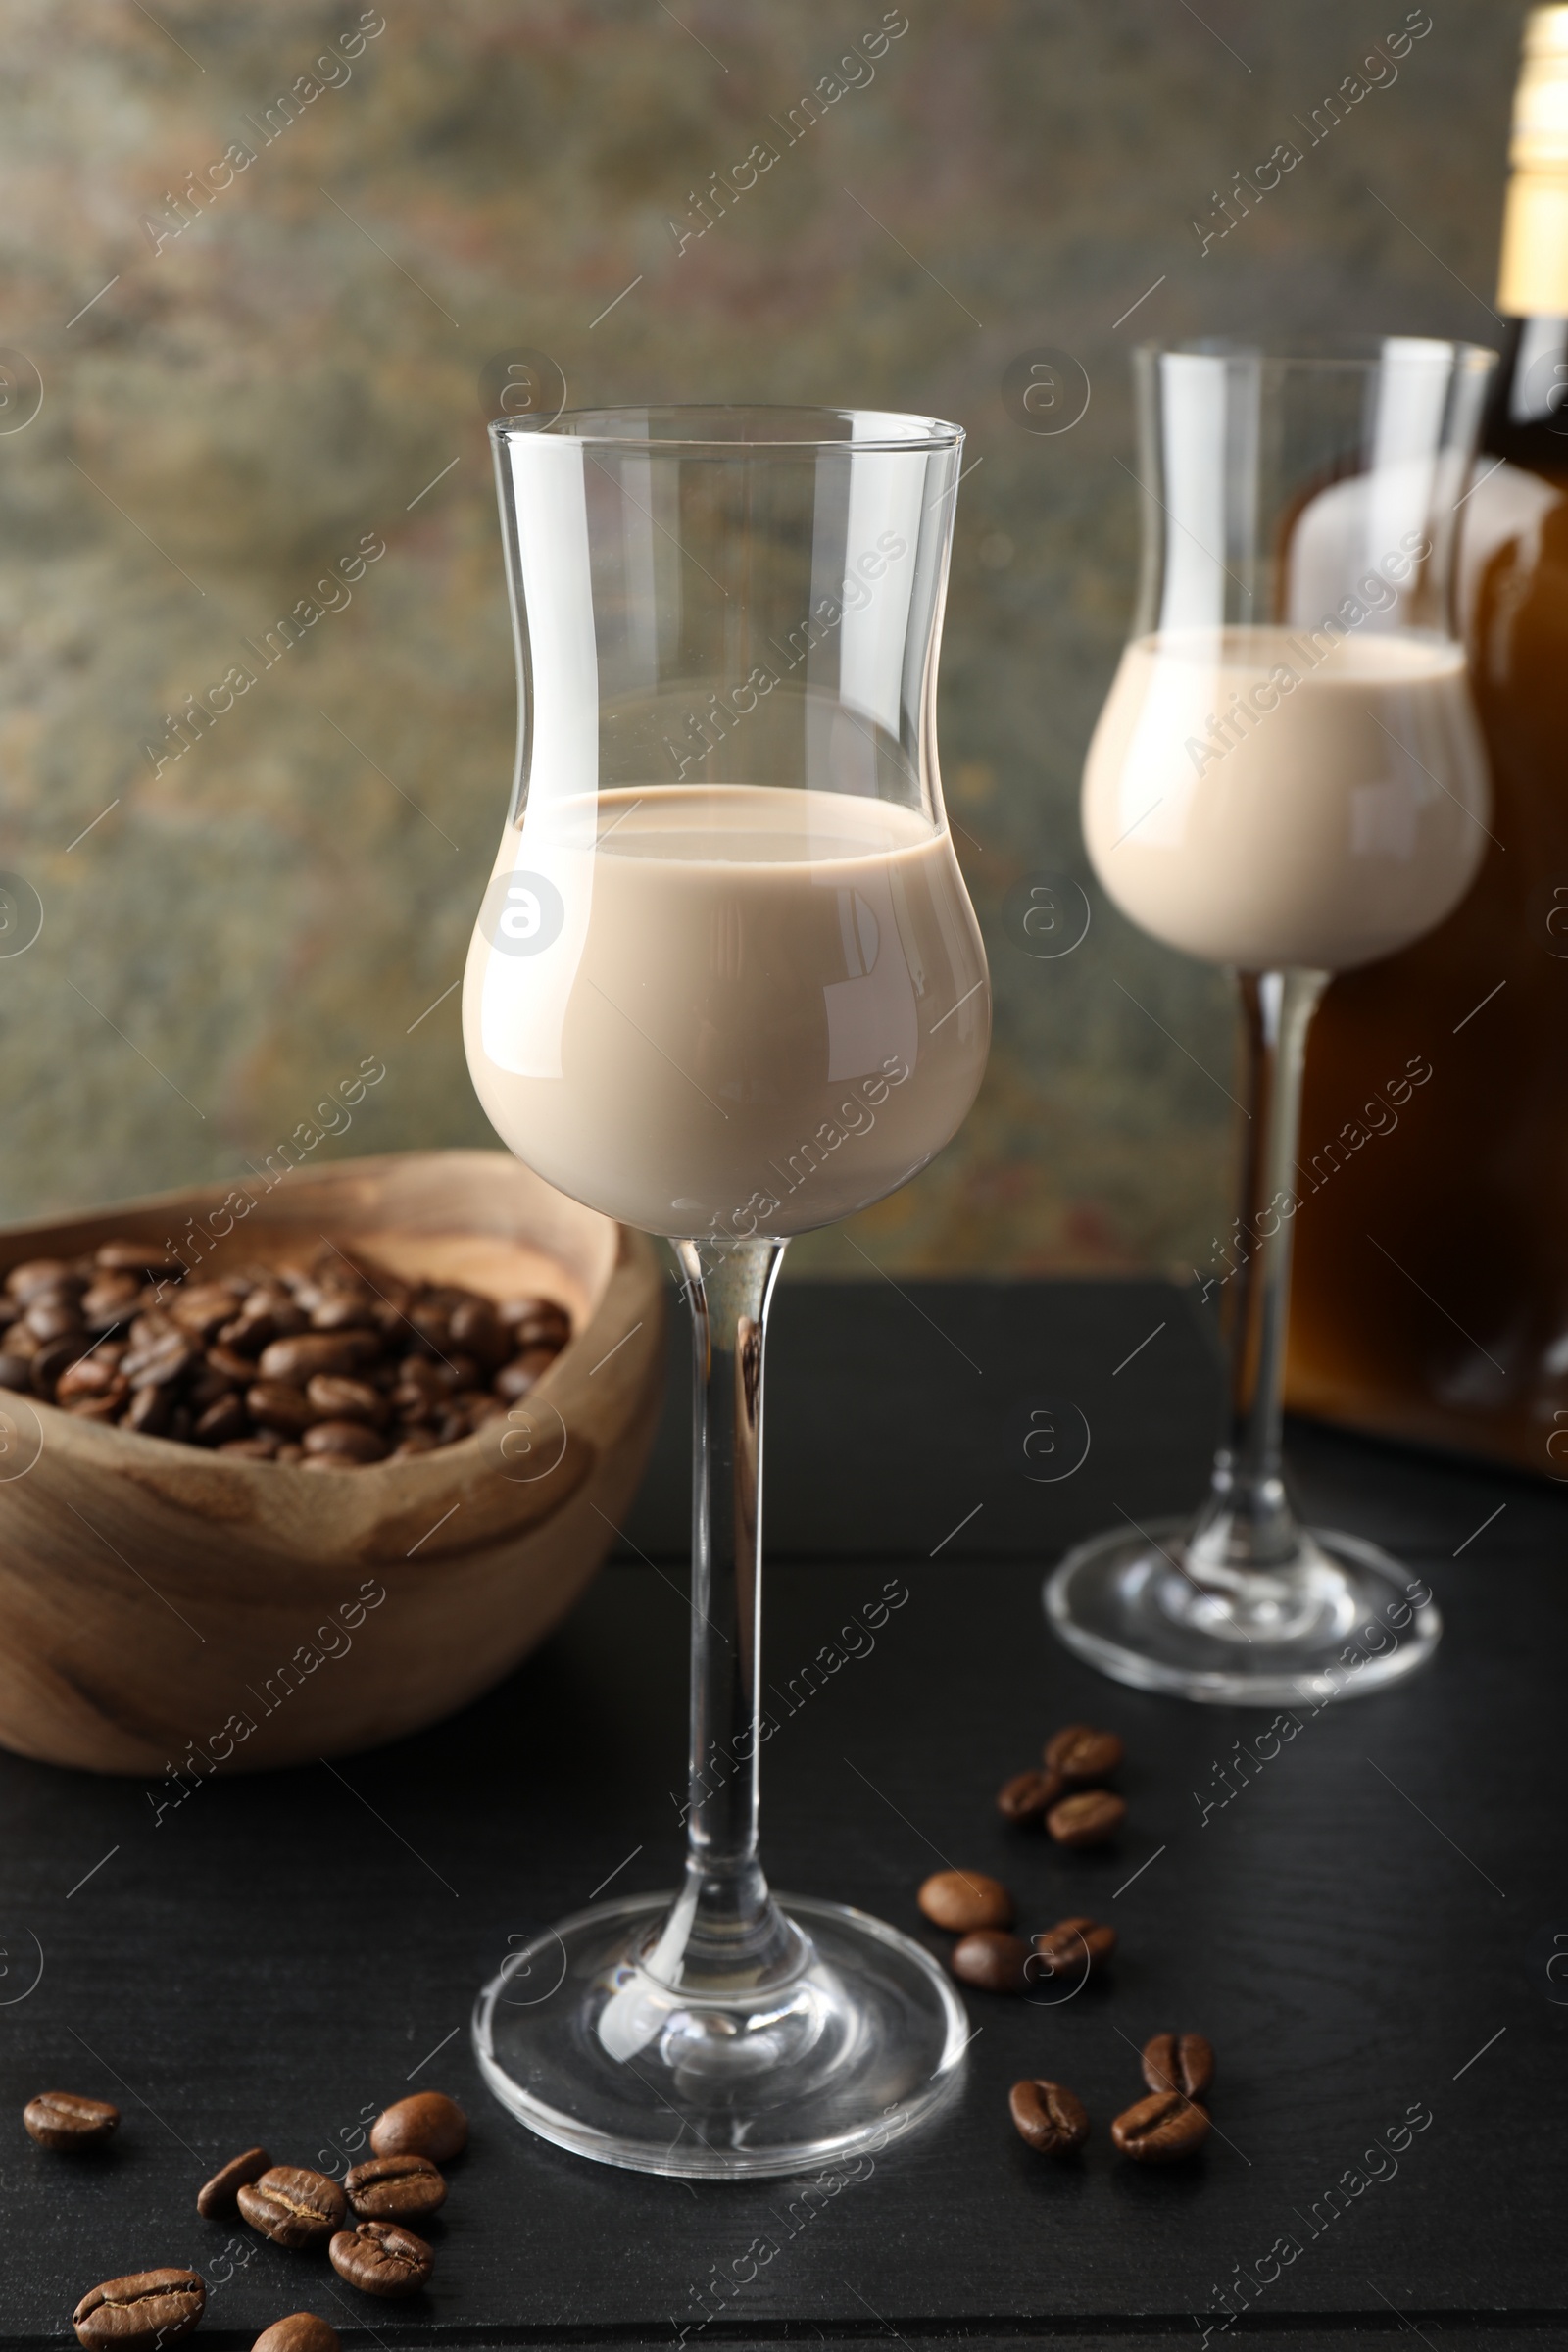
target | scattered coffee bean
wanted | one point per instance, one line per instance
(1181, 2061)
(270, 1353)
(1090, 1818)
(1050, 2117)
(395, 2188)
(1071, 1952)
(381, 2259)
(58, 2119)
(964, 1899)
(301, 2332)
(425, 2124)
(1160, 2129)
(219, 2194)
(291, 2206)
(1029, 1796)
(1082, 1754)
(991, 1959)
(138, 2313)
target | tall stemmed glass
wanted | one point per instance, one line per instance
(1287, 778)
(726, 985)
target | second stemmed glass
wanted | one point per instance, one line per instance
(727, 986)
(1287, 779)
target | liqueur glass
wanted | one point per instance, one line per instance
(1287, 780)
(727, 986)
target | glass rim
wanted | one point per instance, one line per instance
(618, 430)
(1277, 354)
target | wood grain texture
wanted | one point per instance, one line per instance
(165, 1607)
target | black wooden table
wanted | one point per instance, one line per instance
(1365, 1930)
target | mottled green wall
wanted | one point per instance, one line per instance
(249, 399)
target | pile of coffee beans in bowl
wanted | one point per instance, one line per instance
(329, 1365)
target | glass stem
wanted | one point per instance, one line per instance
(1247, 1523)
(725, 1934)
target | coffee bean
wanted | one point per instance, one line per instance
(341, 1312)
(479, 1331)
(514, 1380)
(218, 2194)
(1082, 1754)
(249, 1362)
(158, 1362)
(93, 1375)
(98, 1408)
(1160, 2129)
(291, 2206)
(537, 1323)
(61, 2119)
(1091, 1818)
(112, 1298)
(1071, 1952)
(337, 1398)
(52, 1318)
(1048, 2116)
(348, 1438)
(296, 1360)
(201, 1308)
(381, 2259)
(425, 2124)
(1028, 1795)
(139, 2313)
(991, 1959)
(395, 2188)
(279, 1405)
(1182, 2062)
(16, 1372)
(148, 1410)
(135, 1257)
(962, 1900)
(301, 2332)
(222, 1421)
(36, 1275)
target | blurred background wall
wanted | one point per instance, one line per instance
(259, 258)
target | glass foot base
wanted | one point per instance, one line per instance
(1343, 1619)
(593, 2053)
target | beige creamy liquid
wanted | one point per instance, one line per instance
(757, 1009)
(1344, 818)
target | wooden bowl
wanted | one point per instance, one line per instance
(167, 1610)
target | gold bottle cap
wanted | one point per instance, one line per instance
(1534, 276)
